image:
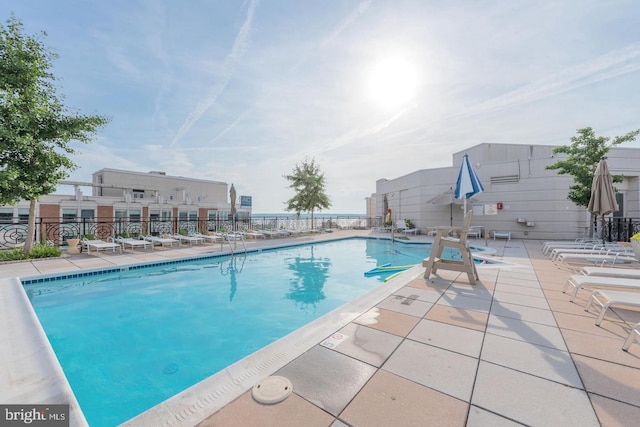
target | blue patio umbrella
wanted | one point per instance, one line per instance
(468, 183)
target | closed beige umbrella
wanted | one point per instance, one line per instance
(603, 195)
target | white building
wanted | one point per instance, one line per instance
(520, 196)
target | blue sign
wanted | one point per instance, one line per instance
(245, 201)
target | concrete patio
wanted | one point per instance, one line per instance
(510, 351)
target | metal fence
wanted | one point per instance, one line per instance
(57, 232)
(616, 229)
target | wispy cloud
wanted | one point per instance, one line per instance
(608, 66)
(239, 48)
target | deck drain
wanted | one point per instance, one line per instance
(272, 390)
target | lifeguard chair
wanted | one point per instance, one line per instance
(441, 241)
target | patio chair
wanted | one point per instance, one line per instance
(633, 334)
(611, 257)
(607, 299)
(441, 241)
(163, 240)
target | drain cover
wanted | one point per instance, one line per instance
(272, 390)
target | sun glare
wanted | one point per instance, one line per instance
(392, 82)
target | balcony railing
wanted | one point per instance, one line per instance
(57, 232)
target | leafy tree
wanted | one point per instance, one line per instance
(35, 127)
(308, 182)
(583, 155)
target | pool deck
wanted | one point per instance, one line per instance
(511, 350)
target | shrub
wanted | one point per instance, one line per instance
(44, 251)
(13, 255)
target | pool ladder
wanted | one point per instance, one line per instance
(227, 238)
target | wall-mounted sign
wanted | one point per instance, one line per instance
(245, 201)
(491, 209)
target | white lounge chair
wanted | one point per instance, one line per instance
(633, 334)
(133, 243)
(164, 240)
(626, 273)
(609, 299)
(189, 239)
(502, 235)
(401, 225)
(549, 245)
(579, 281)
(612, 257)
(213, 238)
(98, 245)
(595, 249)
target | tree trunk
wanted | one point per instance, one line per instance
(312, 222)
(31, 227)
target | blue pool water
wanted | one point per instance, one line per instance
(128, 340)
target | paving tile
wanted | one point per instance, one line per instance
(292, 412)
(388, 321)
(469, 291)
(465, 302)
(422, 283)
(533, 291)
(478, 417)
(442, 370)
(410, 305)
(564, 306)
(449, 337)
(390, 400)
(601, 347)
(613, 413)
(610, 379)
(588, 325)
(338, 423)
(476, 320)
(544, 362)
(531, 400)
(363, 343)
(533, 333)
(524, 313)
(327, 378)
(519, 284)
(525, 300)
(422, 294)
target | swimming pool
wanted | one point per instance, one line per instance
(127, 340)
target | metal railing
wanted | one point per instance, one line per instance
(57, 232)
(618, 229)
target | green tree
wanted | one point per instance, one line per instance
(583, 155)
(35, 127)
(308, 182)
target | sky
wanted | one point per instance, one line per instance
(242, 91)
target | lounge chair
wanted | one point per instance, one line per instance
(213, 238)
(628, 273)
(164, 240)
(133, 243)
(97, 245)
(254, 234)
(579, 281)
(609, 299)
(549, 246)
(596, 249)
(189, 239)
(401, 225)
(611, 257)
(633, 334)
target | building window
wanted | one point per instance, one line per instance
(6, 215)
(134, 215)
(69, 214)
(121, 214)
(23, 215)
(138, 194)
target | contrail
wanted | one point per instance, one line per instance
(240, 46)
